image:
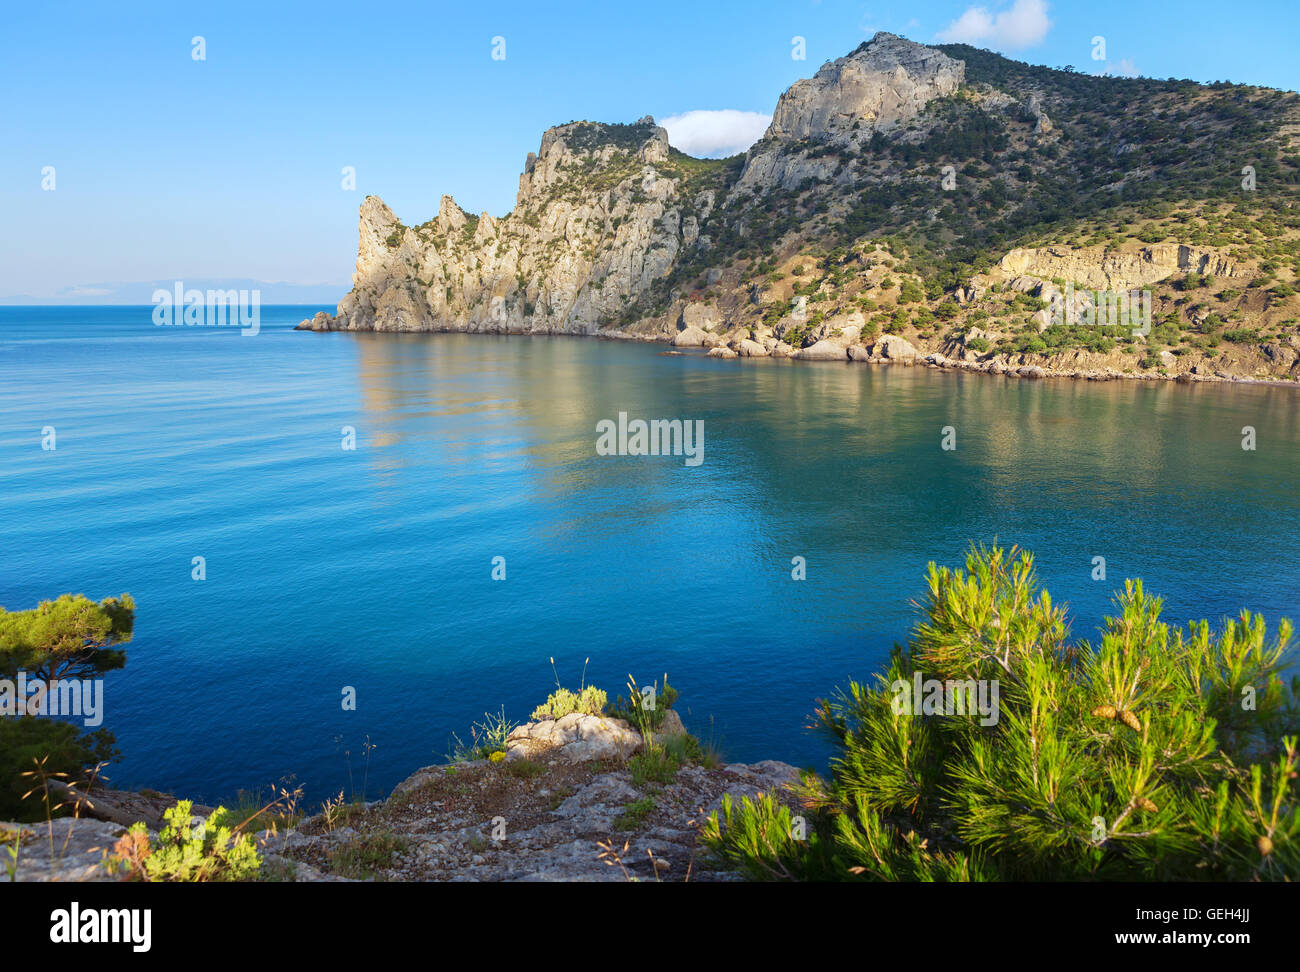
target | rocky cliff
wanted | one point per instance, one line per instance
(907, 203)
(602, 212)
(883, 84)
(886, 81)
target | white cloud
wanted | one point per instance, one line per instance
(714, 134)
(1024, 25)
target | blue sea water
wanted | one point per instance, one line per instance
(372, 568)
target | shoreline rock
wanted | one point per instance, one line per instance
(898, 353)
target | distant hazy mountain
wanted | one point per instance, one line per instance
(141, 292)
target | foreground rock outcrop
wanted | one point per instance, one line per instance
(563, 805)
(576, 738)
(486, 822)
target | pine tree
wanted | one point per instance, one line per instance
(1154, 754)
(69, 637)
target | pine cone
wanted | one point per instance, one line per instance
(1144, 804)
(1130, 720)
(1265, 846)
(1105, 711)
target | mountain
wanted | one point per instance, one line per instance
(907, 202)
(140, 292)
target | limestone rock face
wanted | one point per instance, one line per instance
(1116, 271)
(886, 81)
(563, 261)
(601, 216)
(1034, 109)
(703, 316)
(881, 85)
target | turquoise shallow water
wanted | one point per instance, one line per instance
(372, 568)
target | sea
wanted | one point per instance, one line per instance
(399, 533)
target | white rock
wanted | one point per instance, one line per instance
(824, 350)
(895, 348)
(577, 738)
(689, 337)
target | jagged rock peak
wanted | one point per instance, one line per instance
(375, 210)
(450, 216)
(595, 142)
(595, 138)
(886, 80)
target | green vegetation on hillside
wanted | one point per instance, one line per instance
(1123, 160)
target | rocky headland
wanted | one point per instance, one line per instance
(908, 204)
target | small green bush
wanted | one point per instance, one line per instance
(367, 854)
(653, 764)
(187, 850)
(562, 702)
(486, 738)
(638, 712)
(682, 747)
(524, 769)
(634, 814)
(910, 292)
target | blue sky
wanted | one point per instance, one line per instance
(172, 168)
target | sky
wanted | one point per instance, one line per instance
(167, 166)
